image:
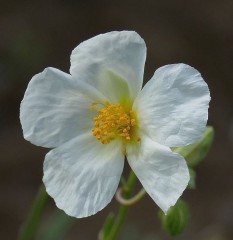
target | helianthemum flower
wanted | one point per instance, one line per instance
(98, 114)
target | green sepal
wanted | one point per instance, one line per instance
(107, 225)
(176, 219)
(196, 152)
(192, 180)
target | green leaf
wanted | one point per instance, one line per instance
(197, 151)
(57, 226)
(176, 219)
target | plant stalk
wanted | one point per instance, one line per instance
(30, 227)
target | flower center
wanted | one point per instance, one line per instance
(112, 121)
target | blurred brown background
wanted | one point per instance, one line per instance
(37, 34)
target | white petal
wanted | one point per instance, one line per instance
(173, 106)
(163, 174)
(109, 58)
(82, 175)
(55, 109)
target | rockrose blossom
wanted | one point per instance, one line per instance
(99, 114)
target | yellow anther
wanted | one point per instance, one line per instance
(133, 121)
(112, 121)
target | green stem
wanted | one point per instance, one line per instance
(29, 228)
(129, 201)
(121, 216)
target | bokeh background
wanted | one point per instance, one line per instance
(38, 34)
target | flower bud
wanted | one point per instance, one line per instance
(176, 219)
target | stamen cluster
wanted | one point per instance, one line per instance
(112, 121)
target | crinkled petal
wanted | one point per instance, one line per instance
(163, 174)
(55, 108)
(112, 62)
(82, 175)
(173, 106)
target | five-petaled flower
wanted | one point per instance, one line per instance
(98, 114)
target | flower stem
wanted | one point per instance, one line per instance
(29, 228)
(132, 200)
(120, 218)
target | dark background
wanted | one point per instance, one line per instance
(38, 34)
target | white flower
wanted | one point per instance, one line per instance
(98, 114)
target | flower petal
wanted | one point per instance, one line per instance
(114, 58)
(55, 109)
(173, 106)
(82, 175)
(163, 174)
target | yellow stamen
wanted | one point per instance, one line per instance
(113, 121)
